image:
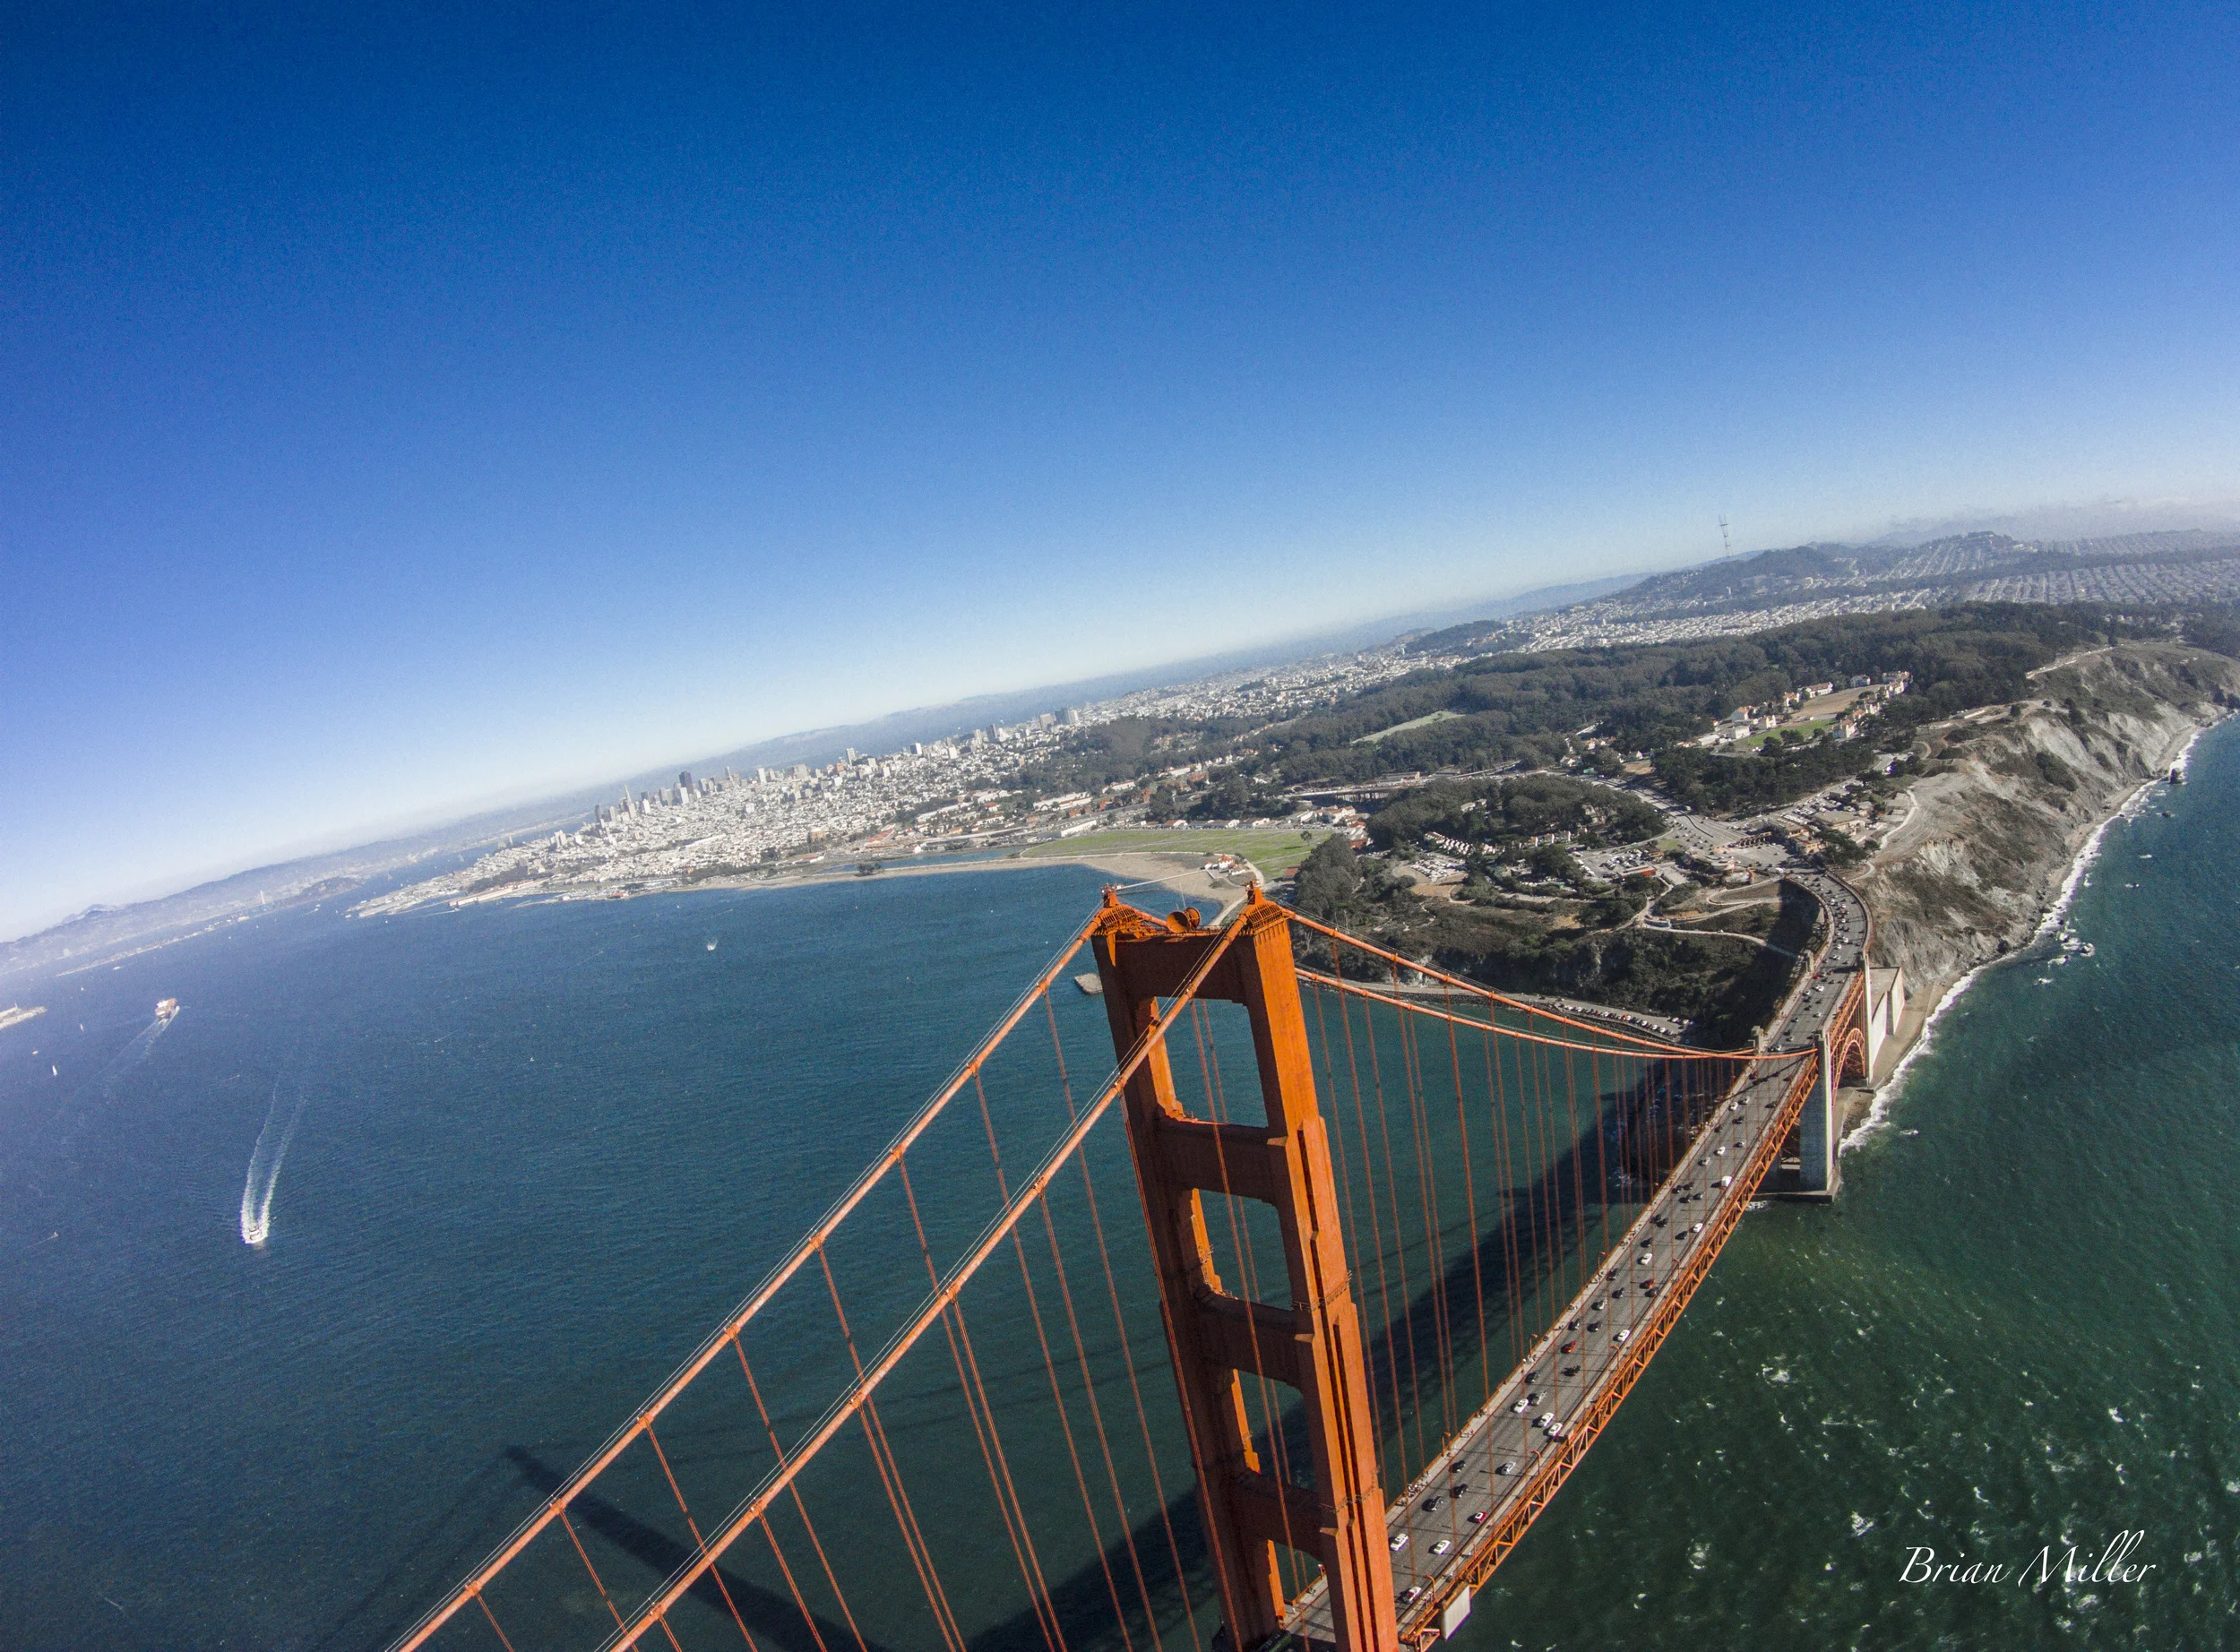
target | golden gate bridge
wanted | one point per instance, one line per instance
(1399, 1247)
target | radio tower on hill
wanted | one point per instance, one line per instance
(1727, 544)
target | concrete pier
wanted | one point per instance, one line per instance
(1816, 1131)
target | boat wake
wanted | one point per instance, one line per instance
(104, 1086)
(265, 1159)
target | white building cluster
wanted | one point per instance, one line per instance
(1615, 621)
(1845, 708)
(954, 792)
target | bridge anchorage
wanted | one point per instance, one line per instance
(1402, 1292)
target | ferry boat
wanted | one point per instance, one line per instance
(166, 1008)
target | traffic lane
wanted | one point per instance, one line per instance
(1493, 1461)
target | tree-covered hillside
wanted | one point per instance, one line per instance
(1532, 708)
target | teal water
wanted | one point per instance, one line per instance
(519, 1160)
(2019, 1330)
(530, 1157)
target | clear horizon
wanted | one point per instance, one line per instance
(404, 415)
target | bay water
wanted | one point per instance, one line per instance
(505, 1166)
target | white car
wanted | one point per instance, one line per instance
(1441, 1546)
(1399, 1542)
(1624, 1336)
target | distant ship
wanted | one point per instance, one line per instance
(166, 1008)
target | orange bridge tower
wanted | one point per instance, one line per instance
(1312, 1344)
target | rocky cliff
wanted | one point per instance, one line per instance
(2012, 793)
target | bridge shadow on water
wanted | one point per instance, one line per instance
(769, 1615)
(1547, 1237)
(1082, 1599)
(1498, 1288)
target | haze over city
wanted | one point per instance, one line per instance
(406, 414)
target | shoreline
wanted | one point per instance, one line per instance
(1877, 1119)
(1133, 869)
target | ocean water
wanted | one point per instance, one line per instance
(505, 1166)
(2016, 1334)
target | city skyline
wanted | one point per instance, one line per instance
(403, 419)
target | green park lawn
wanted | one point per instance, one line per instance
(1274, 850)
(1804, 730)
(1413, 722)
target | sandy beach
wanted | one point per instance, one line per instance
(1136, 874)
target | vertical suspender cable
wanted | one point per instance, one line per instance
(1120, 1327)
(890, 1481)
(1400, 1245)
(1368, 1181)
(991, 1446)
(1469, 1195)
(1049, 1365)
(653, 1438)
(801, 1509)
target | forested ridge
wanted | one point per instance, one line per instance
(1651, 698)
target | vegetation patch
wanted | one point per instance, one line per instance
(1275, 850)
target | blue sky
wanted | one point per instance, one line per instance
(402, 409)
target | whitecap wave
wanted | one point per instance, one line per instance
(2057, 913)
(1877, 1118)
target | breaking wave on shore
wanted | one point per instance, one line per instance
(1877, 1118)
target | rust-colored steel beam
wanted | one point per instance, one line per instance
(1214, 1336)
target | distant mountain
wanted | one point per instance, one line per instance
(1770, 588)
(817, 746)
(102, 935)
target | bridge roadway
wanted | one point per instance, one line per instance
(1460, 1518)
